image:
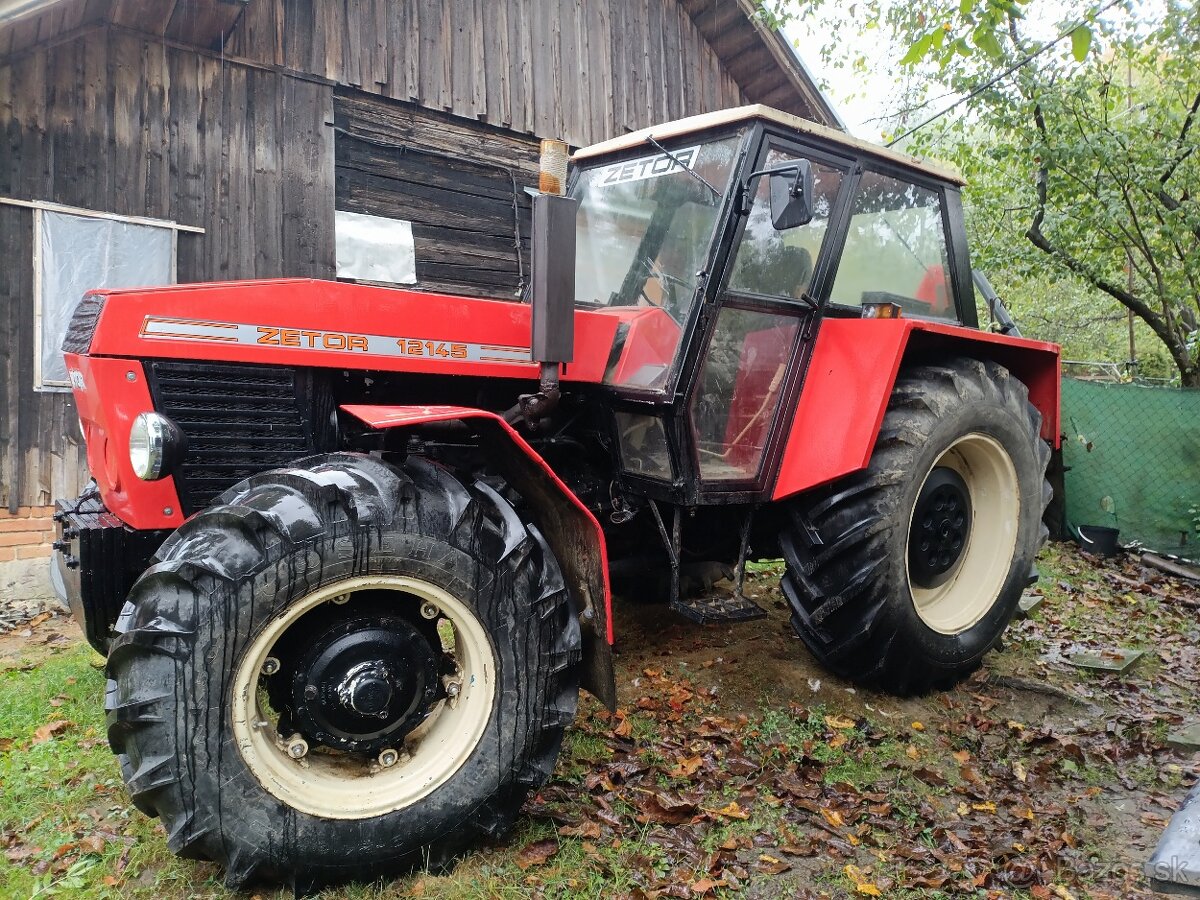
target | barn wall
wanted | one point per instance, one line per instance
(117, 123)
(580, 70)
(460, 184)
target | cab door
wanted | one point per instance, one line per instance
(748, 377)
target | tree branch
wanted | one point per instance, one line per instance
(1180, 153)
(1037, 237)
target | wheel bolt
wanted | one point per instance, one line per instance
(429, 610)
(388, 758)
(271, 666)
(297, 747)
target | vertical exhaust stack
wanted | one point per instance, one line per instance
(552, 288)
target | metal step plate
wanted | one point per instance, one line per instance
(718, 608)
(1175, 866)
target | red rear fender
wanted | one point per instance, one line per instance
(850, 378)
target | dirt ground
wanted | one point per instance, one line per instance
(737, 767)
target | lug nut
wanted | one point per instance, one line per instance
(310, 692)
(429, 611)
(297, 747)
(452, 689)
(388, 758)
(271, 666)
(340, 599)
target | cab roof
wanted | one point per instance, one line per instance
(738, 114)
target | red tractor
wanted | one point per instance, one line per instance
(348, 549)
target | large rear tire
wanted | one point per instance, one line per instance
(902, 576)
(343, 670)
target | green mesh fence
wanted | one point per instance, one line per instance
(1132, 454)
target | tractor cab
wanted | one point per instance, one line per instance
(720, 242)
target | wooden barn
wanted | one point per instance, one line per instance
(148, 141)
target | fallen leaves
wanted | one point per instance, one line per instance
(51, 730)
(732, 811)
(536, 854)
(861, 883)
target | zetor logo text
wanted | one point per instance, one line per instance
(649, 167)
(313, 340)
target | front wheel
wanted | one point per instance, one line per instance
(345, 669)
(904, 575)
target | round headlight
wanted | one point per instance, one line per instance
(155, 443)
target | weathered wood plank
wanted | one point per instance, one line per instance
(462, 15)
(605, 122)
(187, 195)
(409, 124)
(266, 198)
(523, 74)
(353, 36)
(670, 68)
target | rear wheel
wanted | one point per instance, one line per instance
(904, 575)
(345, 669)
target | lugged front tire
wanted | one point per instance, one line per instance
(198, 630)
(879, 591)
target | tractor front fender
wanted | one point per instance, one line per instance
(568, 526)
(850, 377)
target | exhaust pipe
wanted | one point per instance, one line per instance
(552, 286)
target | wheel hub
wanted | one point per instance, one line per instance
(364, 682)
(367, 689)
(941, 525)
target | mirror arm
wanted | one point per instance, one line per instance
(746, 202)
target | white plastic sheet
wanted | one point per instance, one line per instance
(375, 248)
(77, 254)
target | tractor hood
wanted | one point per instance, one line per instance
(306, 322)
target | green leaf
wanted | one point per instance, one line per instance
(985, 40)
(1081, 42)
(918, 50)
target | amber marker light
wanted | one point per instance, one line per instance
(881, 311)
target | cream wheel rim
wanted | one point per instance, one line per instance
(983, 565)
(338, 785)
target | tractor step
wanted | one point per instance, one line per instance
(1175, 866)
(718, 608)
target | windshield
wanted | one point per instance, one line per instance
(644, 226)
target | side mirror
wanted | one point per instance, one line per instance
(792, 196)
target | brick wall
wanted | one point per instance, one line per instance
(27, 534)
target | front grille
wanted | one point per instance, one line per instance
(78, 338)
(239, 420)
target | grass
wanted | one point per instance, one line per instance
(62, 795)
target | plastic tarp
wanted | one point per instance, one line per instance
(375, 248)
(79, 253)
(1132, 457)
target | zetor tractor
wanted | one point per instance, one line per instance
(348, 549)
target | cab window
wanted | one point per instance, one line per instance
(739, 391)
(895, 250)
(780, 263)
